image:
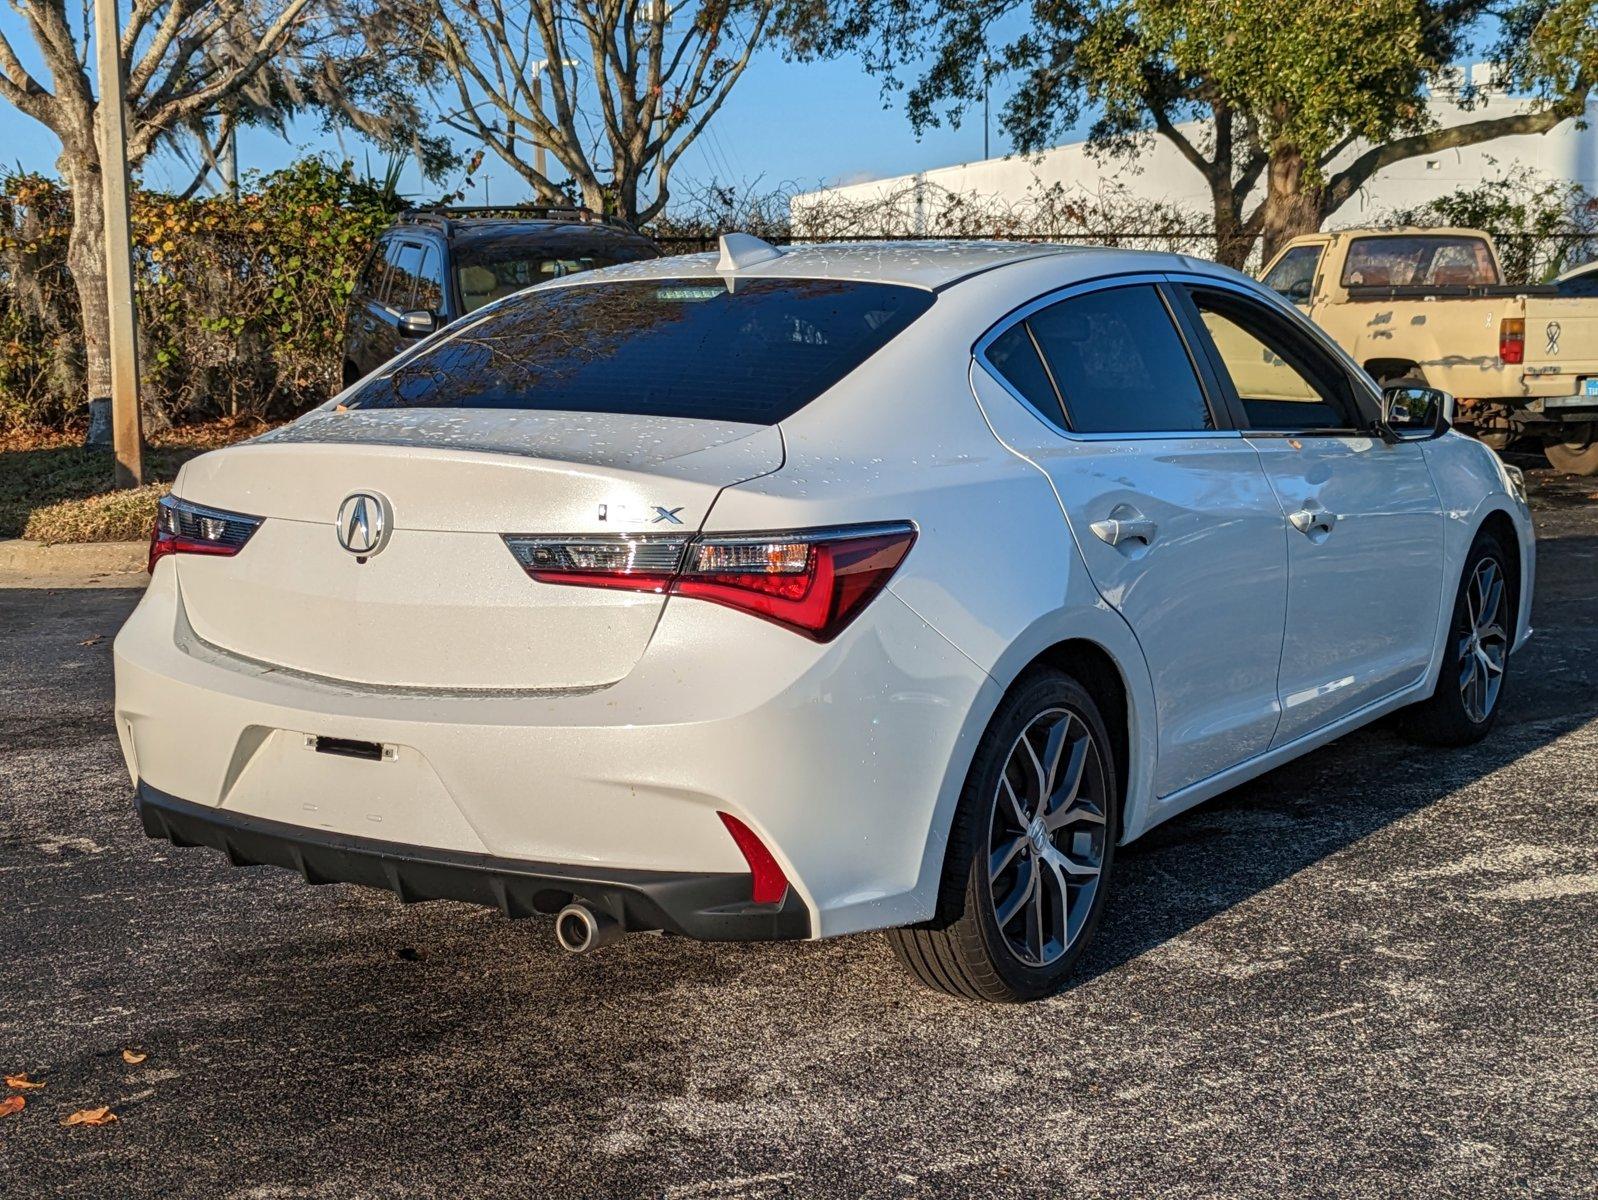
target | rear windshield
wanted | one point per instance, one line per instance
(692, 348)
(1422, 260)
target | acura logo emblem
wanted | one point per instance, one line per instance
(362, 523)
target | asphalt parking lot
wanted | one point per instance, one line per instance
(1371, 973)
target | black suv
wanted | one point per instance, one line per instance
(435, 265)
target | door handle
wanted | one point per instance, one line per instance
(1115, 530)
(1314, 523)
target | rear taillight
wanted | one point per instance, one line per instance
(1512, 340)
(813, 581)
(184, 528)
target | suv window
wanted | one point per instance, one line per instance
(1282, 380)
(374, 283)
(1424, 260)
(657, 347)
(491, 270)
(1293, 276)
(405, 266)
(1119, 364)
(429, 282)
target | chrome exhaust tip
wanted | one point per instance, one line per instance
(580, 929)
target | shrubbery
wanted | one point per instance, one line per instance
(241, 303)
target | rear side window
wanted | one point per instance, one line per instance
(1014, 357)
(1423, 260)
(660, 347)
(1119, 364)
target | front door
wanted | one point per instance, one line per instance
(1174, 517)
(1363, 518)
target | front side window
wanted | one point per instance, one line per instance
(1283, 382)
(1293, 276)
(429, 283)
(1119, 363)
(405, 266)
(690, 348)
(1419, 260)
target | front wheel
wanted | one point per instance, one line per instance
(1470, 686)
(1579, 454)
(1029, 853)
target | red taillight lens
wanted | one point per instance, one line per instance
(1512, 339)
(813, 581)
(184, 528)
(770, 884)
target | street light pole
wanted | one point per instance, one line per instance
(126, 435)
(538, 69)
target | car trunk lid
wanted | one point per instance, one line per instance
(442, 602)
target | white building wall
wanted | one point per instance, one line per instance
(1159, 173)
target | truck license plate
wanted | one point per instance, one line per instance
(1590, 387)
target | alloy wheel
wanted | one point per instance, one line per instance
(1483, 643)
(1046, 841)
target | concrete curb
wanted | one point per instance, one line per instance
(71, 565)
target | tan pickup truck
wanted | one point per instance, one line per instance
(1431, 306)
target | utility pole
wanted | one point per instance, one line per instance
(987, 76)
(126, 436)
(538, 69)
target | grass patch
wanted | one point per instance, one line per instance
(52, 489)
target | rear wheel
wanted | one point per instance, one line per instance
(1029, 853)
(1470, 686)
(1577, 455)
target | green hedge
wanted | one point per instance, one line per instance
(241, 303)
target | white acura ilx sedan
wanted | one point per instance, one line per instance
(783, 594)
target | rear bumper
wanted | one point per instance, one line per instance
(709, 906)
(840, 758)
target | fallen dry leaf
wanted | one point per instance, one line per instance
(134, 1057)
(21, 1082)
(93, 641)
(89, 1116)
(12, 1104)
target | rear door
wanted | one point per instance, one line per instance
(1173, 515)
(1363, 519)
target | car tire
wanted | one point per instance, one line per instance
(1464, 706)
(1578, 456)
(993, 939)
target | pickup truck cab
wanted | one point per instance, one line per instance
(1430, 307)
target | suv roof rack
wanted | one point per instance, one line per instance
(442, 214)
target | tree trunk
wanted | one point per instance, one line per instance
(1232, 241)
(1293, 205)
(87, 263)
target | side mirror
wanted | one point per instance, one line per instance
(1414, 414)
(417, 323)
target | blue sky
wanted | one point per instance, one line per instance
(787, 123)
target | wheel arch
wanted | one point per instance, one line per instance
(1095, 668)
(1498, 523)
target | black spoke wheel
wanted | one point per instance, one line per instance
(1030, 851)
(1046, 838)
(1470, 683)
